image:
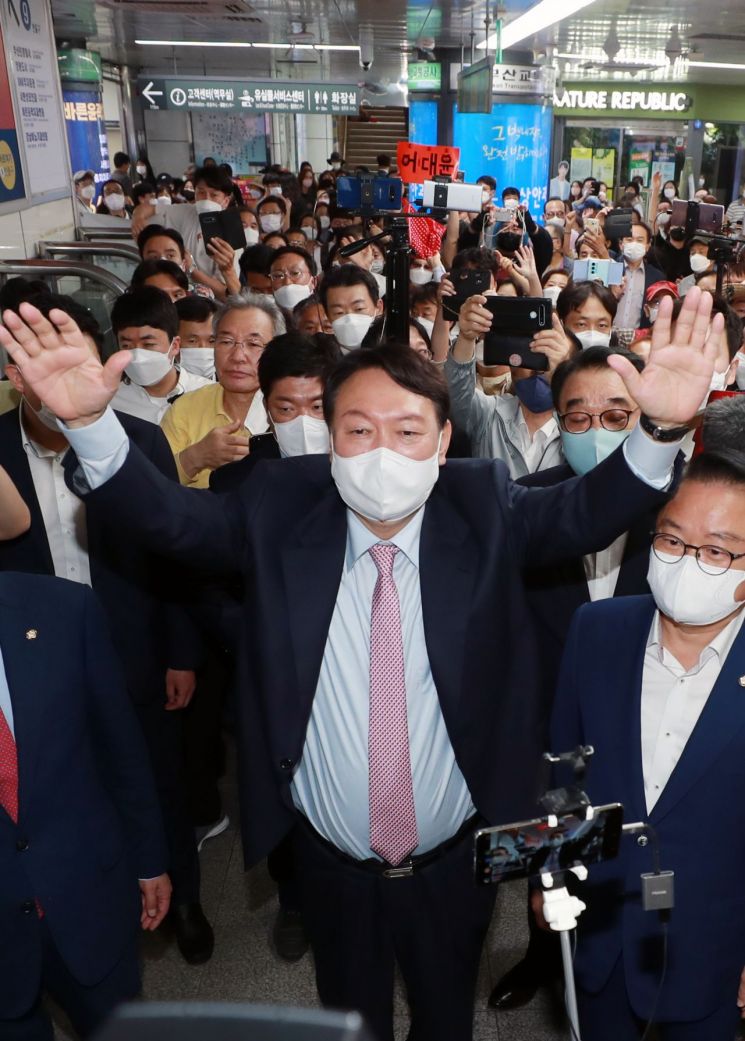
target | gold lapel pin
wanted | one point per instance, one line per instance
(31, 634)
(741, 681)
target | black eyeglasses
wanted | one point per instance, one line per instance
(611, 419)
(713, 560)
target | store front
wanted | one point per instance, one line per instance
(614, 133)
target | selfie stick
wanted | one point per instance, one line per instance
(561, 910)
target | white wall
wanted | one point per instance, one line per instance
(20, 231)
(168, 141)
(315, 139)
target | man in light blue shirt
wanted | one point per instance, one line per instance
(301, 534)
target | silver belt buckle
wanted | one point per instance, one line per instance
(402, 871)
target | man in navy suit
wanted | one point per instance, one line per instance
(655, 684)
(79, 819)
(369, 711)
(141, 593)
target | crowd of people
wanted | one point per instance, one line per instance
(395, 573)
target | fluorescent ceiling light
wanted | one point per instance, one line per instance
(240, 43)
(715, 65)
(535, 20)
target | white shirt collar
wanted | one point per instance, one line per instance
(33, 446)
(360, 539)
(719, 647)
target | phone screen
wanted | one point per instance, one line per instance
(516, 320)
(530, 848)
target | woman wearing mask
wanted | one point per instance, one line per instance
(143, 170)
(575, 191)
(271, 213)
(250, 225)
(112, 201)
(669, 192)
(554, 281)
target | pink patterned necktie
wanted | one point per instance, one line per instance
(8, 770)
(393, 830)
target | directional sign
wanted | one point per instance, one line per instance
(222, 95)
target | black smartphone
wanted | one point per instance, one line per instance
(516, 320)
(529, 848)
(618, 223)
(258, 441)
(466, 283)
(223, 224)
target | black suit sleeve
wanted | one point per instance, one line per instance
(580, 515)
(119, 745)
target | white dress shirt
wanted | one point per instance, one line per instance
(672, 701)
(330, 785)
(135, 400)
(62, 511)
(602, 569)
(534, 448)
(6, 706)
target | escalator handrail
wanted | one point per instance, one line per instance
(64, 267)
(114, 249)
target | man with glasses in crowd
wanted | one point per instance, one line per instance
(293, 276)
(671, 727)
(212, 426)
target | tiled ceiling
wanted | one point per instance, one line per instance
(636, 32)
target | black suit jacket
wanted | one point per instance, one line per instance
(143, 594)
(555, 592)
(231, 476)
(88, 819)
(286, 531)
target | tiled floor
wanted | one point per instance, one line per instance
(242, 908)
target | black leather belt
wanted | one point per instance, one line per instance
(406, 868)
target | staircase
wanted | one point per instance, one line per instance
(363, 141)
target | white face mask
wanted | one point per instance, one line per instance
(148, 367)
(310, 232)
(634, 251)
(308, 183)
(511, 204)
(275, 190)
(141, 170)
(698, 263)
(198, 360)
(556, 222)
(689, 596)
(251, 235)
(88, 191)
(428, 324)
(383, 485)
(324, 221)
(270, 221)
(45, 416)
(166, 200)
(115, 202)
(420, 276)
(485, 195)
(669, 193)
(378, 266)
(206, 206)
(303, 435)
(663, 218)
(740, 372)
(291, 294)
(351, 329)
(336, 166)
(552, 293)
(593, 338)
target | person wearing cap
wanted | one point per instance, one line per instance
(336, 161)
(698, 255)
(638, 276)
(85, 191)
(652, 298)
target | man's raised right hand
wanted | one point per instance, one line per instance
(57, 363)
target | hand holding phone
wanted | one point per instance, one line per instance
(554, 343)
(474, 320)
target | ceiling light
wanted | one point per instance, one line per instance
(240, 43)
(535, 20)
(715, 65)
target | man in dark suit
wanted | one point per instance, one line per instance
(157, 645)
(370, 717)
(79, 822)
(655, 684)
(595, 416)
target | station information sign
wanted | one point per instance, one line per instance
(206, 94)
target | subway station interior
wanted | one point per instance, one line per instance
(109, 98)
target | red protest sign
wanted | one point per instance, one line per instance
(419, 163)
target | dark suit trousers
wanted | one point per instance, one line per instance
(163, 736)
(432, 924)
(608, 1016)
(86, 1007)
(204, 748)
